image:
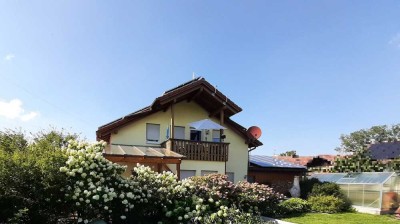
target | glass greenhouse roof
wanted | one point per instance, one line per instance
(354, 178)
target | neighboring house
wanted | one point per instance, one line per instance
(160, 136)
(310, 161)
(274, 172)
(385, 151)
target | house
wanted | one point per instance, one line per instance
(274, 172)
(385, 151)
(160, 136)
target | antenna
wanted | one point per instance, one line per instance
(193, 76)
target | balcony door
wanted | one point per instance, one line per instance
(195, 135)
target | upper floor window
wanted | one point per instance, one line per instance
(216, 135)
(179, 132)
(152, 133)
(195, 135)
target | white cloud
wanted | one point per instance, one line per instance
(14, 110)
(9, 57)
(395, 41)
(28, 116)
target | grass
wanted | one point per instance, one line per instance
(342, 218)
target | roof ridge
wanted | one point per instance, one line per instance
(183, 84)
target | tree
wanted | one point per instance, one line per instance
(292, 153)
(359, 141)
(30, 180)
(357, 144)
(12, 140)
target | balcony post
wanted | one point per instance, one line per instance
(221, 133)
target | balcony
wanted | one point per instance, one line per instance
(199, 150)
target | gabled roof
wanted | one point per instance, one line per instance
(272, 162)
(381, 151)
(197, 90)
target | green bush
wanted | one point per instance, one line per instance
(249, 198)
(331, 189)
(306, 186)
(294, 206)
(326, 189)
(326, 203)
(258, 198)
(30, 180)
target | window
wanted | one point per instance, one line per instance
(207, 172)
(179, 132)
(152, 133)
(187, 173)
(195, 135)
(216, 135)
(231, 176)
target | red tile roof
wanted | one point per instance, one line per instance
(304, 160)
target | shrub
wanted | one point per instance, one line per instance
(254, 197)
(294, 206)
(325, 203)
(331, 189)
(306, 186)
(30, 180)
(326, 189)
(232, 215)
(248, 197)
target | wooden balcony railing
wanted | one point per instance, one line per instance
(199, 150)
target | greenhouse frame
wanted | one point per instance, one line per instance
(369, 192)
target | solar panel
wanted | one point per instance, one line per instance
(270, 161)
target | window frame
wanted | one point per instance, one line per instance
(153, 141)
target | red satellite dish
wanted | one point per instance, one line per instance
(254, 131)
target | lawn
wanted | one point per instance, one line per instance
(342, 218)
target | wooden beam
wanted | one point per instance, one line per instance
(195, 95)
(178, 170)
(172, 136)
(142, 159)
(221, 109)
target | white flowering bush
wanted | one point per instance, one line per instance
(97, 191)
(155, 194)
(95, 184)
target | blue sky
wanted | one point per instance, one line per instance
(304, 71)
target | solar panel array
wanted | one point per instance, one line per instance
(270, 161)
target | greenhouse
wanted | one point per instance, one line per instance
(370, 192)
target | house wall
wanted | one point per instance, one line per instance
(238, 158)
(185, 113)
(280, 180)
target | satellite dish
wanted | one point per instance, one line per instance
(254, 131)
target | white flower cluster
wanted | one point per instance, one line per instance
(95, 181)
(97, 187)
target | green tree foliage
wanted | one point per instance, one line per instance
(292, 153)
(358, 141)
(12, 140)
(30, 180)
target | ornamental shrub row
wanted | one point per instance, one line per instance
(316, 197)
(53, 180)
(98, 191)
